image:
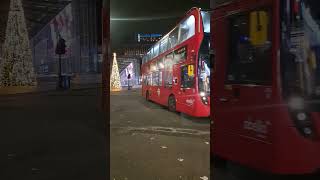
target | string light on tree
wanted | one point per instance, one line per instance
(16, 67)
(115, 76)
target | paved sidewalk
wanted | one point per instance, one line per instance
(46, 84)
(53, 136)
(25, 89)
(41, 89)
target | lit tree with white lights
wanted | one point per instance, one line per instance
(16, 67)
(115, 76)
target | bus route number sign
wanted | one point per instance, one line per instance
(190, 70)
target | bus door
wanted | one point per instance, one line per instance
(156, 86)
(244, 86)
(183, 86)
(167, 77)
(176, 83)
(187, 87)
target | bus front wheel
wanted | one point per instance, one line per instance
(172, 103)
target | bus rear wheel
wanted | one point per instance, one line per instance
(172, 103)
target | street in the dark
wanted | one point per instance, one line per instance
(53, 135)
(149, 142)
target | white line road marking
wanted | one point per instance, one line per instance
(165, 129)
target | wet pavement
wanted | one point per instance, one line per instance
(149, 142)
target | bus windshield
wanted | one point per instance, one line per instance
(206, 21)
(204, 65)
(204, 59)
(302, 68)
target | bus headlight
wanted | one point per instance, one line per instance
(303, 123)
(204, 98)
(296, 103)
(307, 131)
(301, 116)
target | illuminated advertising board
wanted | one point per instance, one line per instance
(148, 37)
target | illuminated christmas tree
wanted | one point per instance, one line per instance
(16, 67)
(115, 76)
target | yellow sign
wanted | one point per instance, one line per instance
(190, 70)
(258, 27)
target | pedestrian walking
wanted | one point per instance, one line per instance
(129, 78)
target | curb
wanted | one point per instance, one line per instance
(44, 91)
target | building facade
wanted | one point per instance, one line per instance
(129, 59)
(77, 23)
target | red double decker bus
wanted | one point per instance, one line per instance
(266, 84)
(176, 70)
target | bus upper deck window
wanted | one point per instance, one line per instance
(187, 28)
(206, 21)
(173, 38)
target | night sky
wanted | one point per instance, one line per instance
(147, 16)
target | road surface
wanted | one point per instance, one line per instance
(149, 142)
